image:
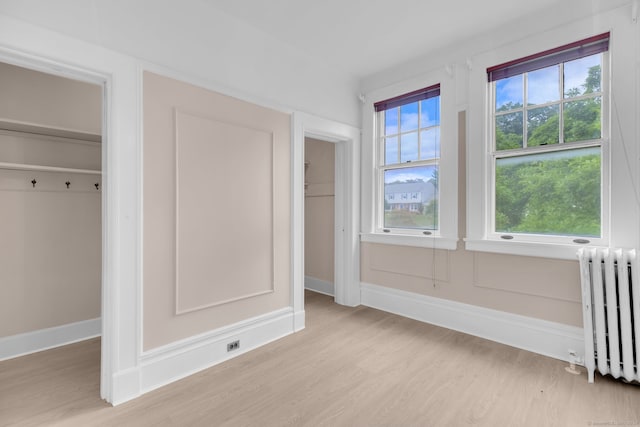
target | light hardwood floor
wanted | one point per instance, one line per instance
(349, 367)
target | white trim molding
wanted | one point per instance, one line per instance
(180, 359)
(347, 207)
(44, 339)
(319, 286)
(538, 336)
(541, 250)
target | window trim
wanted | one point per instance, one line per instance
(382, 167)
(576, 51)
(479, 179)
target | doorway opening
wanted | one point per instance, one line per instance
(319, 216)
(52, 154)
(346, 141)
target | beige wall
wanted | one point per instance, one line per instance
(319, 209)
(216, 210)
(536, 287)
(46, 100)
(50, 256)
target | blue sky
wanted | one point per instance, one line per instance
(429, 115)
(543, 86)
(412, 117)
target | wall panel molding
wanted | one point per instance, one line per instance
(527, 276)
(223, 214)
(409, 261)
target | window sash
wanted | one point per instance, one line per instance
(601, 143)
(384, 165)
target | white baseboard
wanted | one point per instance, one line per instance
(177, 360)
(298, 321)
(527, 333)
(320, 286)
(126, 386)
(44, 339)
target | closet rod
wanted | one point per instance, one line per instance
(23, 167)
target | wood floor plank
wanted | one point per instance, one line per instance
(349, 367)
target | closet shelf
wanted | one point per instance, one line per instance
(39, 168)
(36, 129)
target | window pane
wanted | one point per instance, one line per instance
(411, 197)
(409, 147)
(430, 112)
(543, 85)
(391, 121)
(582, 119)
(430, 143)
(391, 150)
(409, 117)
(550, 193)
(582, 76)
(509, 93)
(509, 131)
(543, 126)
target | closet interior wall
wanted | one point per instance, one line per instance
(319, 210)
(50, 201)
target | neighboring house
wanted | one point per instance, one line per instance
(410, 196)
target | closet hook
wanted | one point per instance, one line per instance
(67, 184)
(33, 182)
(97, 185)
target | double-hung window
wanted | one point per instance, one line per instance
(548, 130)
(408, 135)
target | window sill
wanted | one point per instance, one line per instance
(448, 243)
(534, 249)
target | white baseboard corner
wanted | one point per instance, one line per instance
(178, 360)
(44, 339)
(299, 320)
(126, 386)
(538, 336)
(319, 286)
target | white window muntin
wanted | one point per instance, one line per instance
(602, 142)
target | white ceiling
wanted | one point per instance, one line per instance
(364, 37)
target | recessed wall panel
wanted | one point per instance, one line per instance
(408, 261)
(224, 212)
(216, 211)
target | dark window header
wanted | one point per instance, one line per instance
(408, 98)
(568, 52)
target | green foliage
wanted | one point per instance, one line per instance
(553, 193)
(549, 196)
(427, 219)
(544, 127)
(509, 131)
(582, 120)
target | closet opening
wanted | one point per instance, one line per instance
(51, 206)
(319, 216)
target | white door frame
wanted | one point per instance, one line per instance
(39, 49)
(63, 70)
(347, 208)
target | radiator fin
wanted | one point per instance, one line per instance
(611, 311)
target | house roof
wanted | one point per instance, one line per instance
(426, 190)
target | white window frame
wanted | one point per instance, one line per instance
(620, 181)
(445, 237)
(602, 143)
